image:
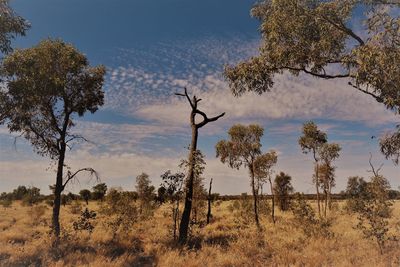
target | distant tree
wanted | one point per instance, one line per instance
(41, 104)
(243, 149)
(328, 153)
(32, 196)
(19, 192)
(310, 142)
(263, 172)
(145, 192)
(99, 191)
(195, 126)
(11, 25)
(173, 183)
(85, 195)
(283, 188)
(328, 39)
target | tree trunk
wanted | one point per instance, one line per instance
(317, 187)
(184, 226)
(209, 203)
(255, 193)
(57, 193)
(273, 201)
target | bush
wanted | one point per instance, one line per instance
(374, 211)
(306, 220)
(120, 210)
(84, 223)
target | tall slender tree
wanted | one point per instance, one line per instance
(310, 142)
(195, 126)
(46, 88)
(243, 149)
(355, 41)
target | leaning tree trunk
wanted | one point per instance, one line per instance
(185, 220)
(209, 203)
(57, 192)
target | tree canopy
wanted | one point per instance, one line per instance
(11, 25)
(356, 40)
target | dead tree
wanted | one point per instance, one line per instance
(209, 203)
(184, 226)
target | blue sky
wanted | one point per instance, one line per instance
(153, 48)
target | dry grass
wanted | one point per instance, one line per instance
(24, 241)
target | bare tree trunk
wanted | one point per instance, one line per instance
(273, 201)
(184, 227)
(209, 203)
(57, 193)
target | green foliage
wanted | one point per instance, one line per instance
(283, 188)
(312, 138)
(11, 25)
(84, 223)
(244, 144)
(305, 219)
(45, 86)
(374, 211)
(327, 39)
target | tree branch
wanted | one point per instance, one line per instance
(188, 98)
(378, 98)
(71, 176)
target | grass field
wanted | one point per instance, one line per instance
(227, 241)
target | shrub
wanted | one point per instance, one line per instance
(306, 220)
(6, 203)
(84, 223)
(120, 210)
(374, 211)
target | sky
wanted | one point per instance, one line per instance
(154, 48)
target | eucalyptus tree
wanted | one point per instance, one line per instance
(354, 40)
(243, 149)
(11, 25)
(263, 172)
(46, 88)
(328, 153)
(195, 126)
(310, 142)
